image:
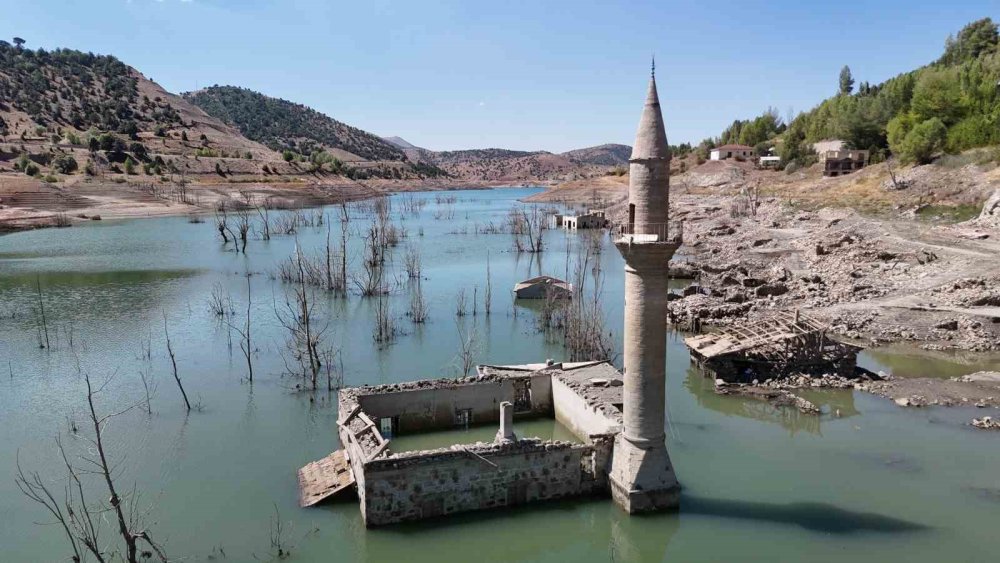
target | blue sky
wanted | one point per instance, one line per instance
(541, 74)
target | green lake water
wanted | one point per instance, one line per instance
(876, 483)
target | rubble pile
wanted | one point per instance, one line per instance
(831, 262)
(986, 423)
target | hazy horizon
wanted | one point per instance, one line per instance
(520, 76)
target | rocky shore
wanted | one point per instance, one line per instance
(873, 280)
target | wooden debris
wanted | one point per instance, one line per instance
(784, 343)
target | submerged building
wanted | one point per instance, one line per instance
(617, 418)
(543, 287)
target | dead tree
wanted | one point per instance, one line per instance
(345, 219)
(304, 335)
(897, 184)
(418, 305)
(43, 340)
(468, 348)
(488, 294)
(585, 335)
(411, 262)
(370, 281)
(81, 520)
(222, 222)
(527, 229)
(265, 220)
(242, 228)
(385, 327)
(246, 345)
(330, 286)
(173, 363)
(219, 302)
(149, 386)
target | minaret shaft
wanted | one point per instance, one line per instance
(645, 355)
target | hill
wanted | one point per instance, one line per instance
(284, 125)
(400, 142)
(601, 155)
(506, 165)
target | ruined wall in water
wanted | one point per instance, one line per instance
(419, 485)
(434, 404)
(585, 418)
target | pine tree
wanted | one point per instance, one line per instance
(846, 80)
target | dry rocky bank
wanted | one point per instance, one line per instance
(757, 242)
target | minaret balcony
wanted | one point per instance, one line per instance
(648, 233)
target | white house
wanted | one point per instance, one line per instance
(731, 151)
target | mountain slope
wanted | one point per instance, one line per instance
(505, 165)
(280, 124)
(601, 155)
(401, 142)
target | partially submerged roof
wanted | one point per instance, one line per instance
(546, 281)
(324, 478)
(518, 369)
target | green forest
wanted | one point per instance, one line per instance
(948, 106)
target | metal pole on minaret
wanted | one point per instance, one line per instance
(642, 477)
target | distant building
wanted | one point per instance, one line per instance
(770, 161)
(731, 151)
(837, 160)
(593, 219)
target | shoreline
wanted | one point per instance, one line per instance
(61, 207)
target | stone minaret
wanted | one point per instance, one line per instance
(642, 477)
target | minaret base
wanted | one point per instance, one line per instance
(642, 478)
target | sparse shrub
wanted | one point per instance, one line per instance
(65, 164)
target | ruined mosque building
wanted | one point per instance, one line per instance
(617, 418)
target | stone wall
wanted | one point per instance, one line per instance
(574, 412)
(419, 485)
(434, 407)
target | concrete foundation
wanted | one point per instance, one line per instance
(642, 478)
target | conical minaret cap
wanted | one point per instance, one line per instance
(651, 138)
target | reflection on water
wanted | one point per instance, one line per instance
(915, 362)
(813, 516)
(838, 402)
(544, 428)
(771, 482)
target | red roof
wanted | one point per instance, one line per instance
(733, 148)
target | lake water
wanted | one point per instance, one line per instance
(877, 483)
